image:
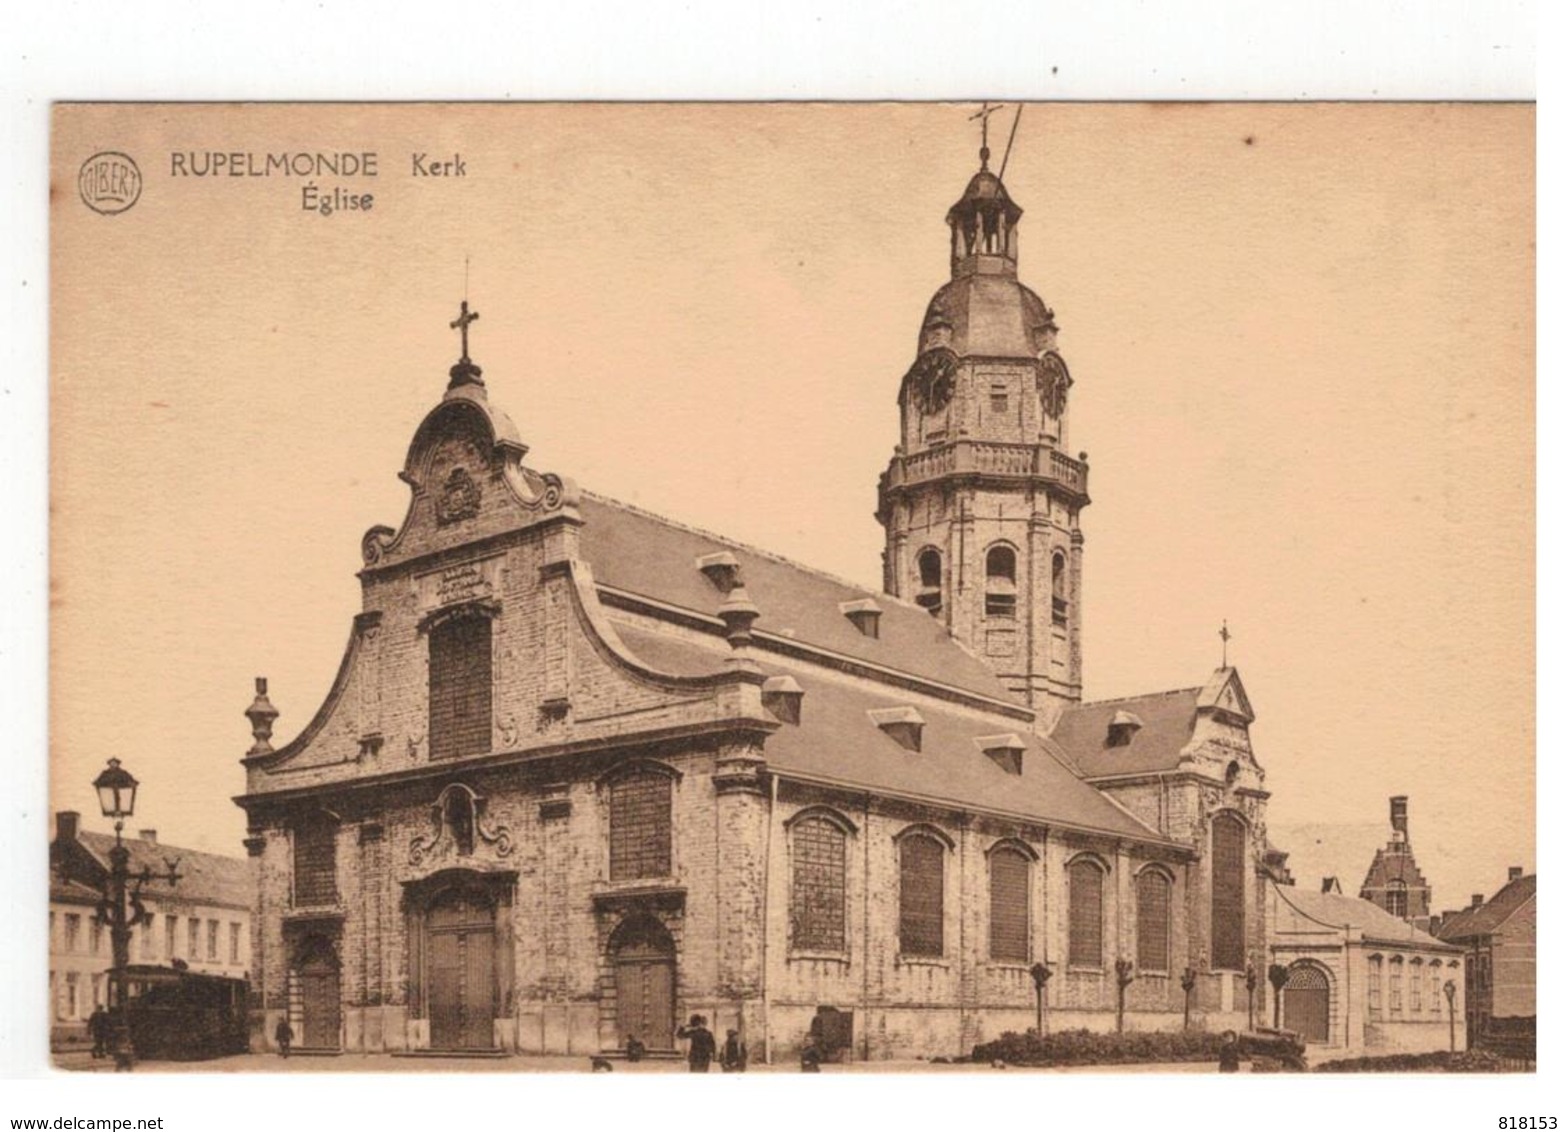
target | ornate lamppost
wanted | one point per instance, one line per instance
(1450, 989)
(117, 798)
(1251, 996)
(1041, 973)
(1188, 984)
(1123, 979)
(1278, 975)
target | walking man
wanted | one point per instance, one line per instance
(703, 1047)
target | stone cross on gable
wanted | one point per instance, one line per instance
(1224, 635)
(461, 323)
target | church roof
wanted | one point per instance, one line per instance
(839, 741)
(654, 558)
(1167, 720)
(1333, 909)
(1492, 914)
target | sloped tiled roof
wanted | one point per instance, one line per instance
(1167, 720)
(1492, 914)
(838, 742)
(1376, 926)
(204, 877)
(652, 557)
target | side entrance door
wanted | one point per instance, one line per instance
(319, 989)
(1306, 1003)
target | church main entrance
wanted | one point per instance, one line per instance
(460, 973)
(1306, 1002)
(644, 958)
(320, 995)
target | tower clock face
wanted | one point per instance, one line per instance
(933, 377)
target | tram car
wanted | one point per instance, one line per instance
(182, 1015)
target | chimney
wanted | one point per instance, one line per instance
(150, 836)
(67, 823)
(1514, 872)
(1398, 813)
(1476, 899)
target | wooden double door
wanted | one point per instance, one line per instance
(1305, 1005)
(460, 972)
(320, 992)
(643, 955)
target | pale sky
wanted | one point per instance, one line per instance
(1302, 339)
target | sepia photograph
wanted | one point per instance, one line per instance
(920, 587)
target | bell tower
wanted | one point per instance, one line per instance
(980, 501)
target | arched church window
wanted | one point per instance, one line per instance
(460, 687)
(921, 869)
(1001, 582)
(639, 825)
(1058, 588)
(1085, 913)
(929, 594)
(1398, 898)
(315, 867)
(1153, 921)
(1009, 871)
(816, 898)
(1228, 903)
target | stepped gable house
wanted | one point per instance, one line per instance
(585, 771)
(1394, 881)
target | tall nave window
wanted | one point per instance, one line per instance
(1153, 921)
(816, 897)
(1229, 893)
(921, 865)
(1009, 872)
(1085, 913)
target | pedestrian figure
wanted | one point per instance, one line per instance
(634, 1048)
(283, 1035)
(703, 1047)
(98, 1030)
(733, 1057)
(1230, 1053)
(810, 1056)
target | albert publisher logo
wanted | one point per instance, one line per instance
(109, 182)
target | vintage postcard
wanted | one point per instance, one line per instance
(830, 588)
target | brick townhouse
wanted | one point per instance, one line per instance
(585, 771)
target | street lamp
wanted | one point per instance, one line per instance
(1450, 989)
(1124, 974)
(1041, 973)
(1278, 975)
(117, 798)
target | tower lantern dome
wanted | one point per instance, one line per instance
(984, 227)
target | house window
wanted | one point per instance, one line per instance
(1229, 893)
(1374, 986)
(998, 398)
(73, 930)
(1009, 873)
(816, 899)
(73, 995)
(212, 940)
(1398, 899)
(1415, 978)
(929, 593)
(1395, 984)
(1085, 914)
(234, 944)
(315, 870)
(639, 825)
(1058, 589)
(95, 936)
(1436, 989)
(193, 938)
(460, 687)
(170, 934)
(921, 864)
(1153, 921)
(149, 947)
(1001, 583)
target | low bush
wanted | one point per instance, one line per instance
(1084, 1047)
(1471, 1061)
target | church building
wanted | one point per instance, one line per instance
(585, 771)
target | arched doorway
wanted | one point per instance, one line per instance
(320, 997)
(460, 979)
(643, 955)
(1306, 1002)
